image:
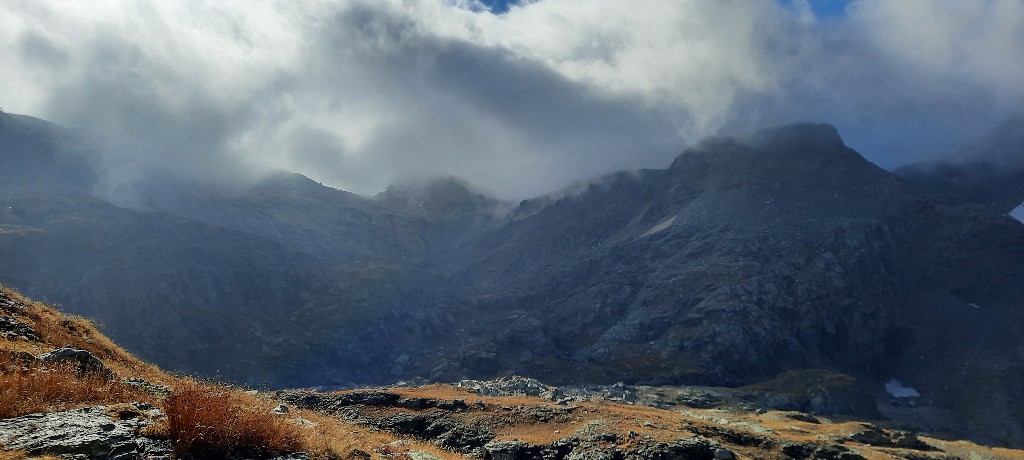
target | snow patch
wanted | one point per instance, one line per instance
(660, 227)
(1018, 213)
(896, 388)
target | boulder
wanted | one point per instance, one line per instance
(86, 433)
(84, 361)
(509, 450)
(875, 436)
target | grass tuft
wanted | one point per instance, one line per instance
(210, 422)
(33, 388)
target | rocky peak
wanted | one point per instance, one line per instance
(442, 195)
(801, 137)
(806, 159)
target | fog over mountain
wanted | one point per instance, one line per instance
(360, 94)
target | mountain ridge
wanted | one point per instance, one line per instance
(744, 259)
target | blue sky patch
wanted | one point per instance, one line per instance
(499, 6)
(822, 8)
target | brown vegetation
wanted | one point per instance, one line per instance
(206, 421)
(33, 388)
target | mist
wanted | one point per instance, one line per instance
(358, 94)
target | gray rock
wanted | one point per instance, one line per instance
(802, 417)
(508, 450)
(332, 403)
(281, 409)
(817, 451)
(148, 387)
(420, 455)
(294, 456)
(86, 433)
(594, 453)
(724, 454)
(875, 436)
(11, 328)
(82, 359)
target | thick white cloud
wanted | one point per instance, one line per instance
(360, 93)
(976, 42)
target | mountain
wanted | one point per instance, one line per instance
(743, 261)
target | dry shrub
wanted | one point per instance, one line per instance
(33, 388)
(209, 422)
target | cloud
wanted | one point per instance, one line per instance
(361, 93)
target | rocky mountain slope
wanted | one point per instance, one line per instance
(91, 400)
(742, 261)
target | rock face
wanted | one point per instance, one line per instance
(89, 433)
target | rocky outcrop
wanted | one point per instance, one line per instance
(94, 433)
(875, 436)
(334, 403)
(81, 360)
(572, 448)
(437, 427)
(10, 326)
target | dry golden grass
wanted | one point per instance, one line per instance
(329, 438)
(207, 421)
(38, 389)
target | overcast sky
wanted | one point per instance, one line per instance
(361, 93)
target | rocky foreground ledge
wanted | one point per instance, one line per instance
(518, 418)
(511, 418)
(121, 408)
(506, 419)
